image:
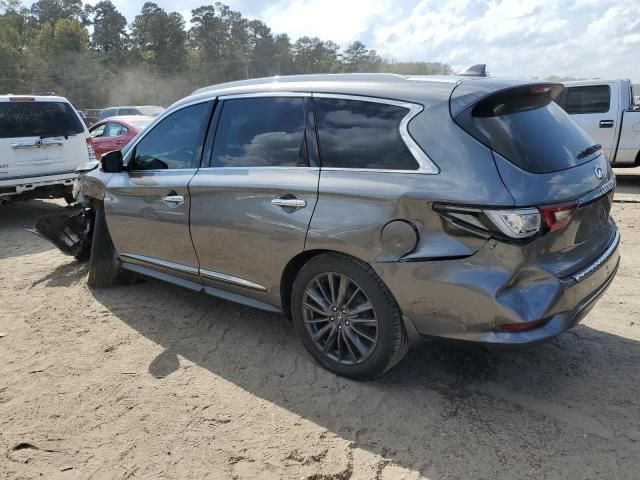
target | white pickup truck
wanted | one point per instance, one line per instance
(42, 142)
(607, 111)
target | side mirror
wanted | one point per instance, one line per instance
(112, 162)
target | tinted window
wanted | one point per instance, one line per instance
(128, 111)
(592, 99)
(261, 132)
(531, 131)
(359, 134)
(38, 119)
(175, 142)
(108, 112)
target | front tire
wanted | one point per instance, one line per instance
(104, 265)
(347, 318)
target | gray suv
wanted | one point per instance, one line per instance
(367, 208)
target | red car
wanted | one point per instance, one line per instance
(115, 132)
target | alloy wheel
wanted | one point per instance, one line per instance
(340, 318)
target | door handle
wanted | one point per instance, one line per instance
(289, 202)
(606, 123)
(173, 199)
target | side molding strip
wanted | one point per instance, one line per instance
(142, 260)
(228, 279)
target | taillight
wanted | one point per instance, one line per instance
(511, 224)
(521, 223)
(22, 99)
(90, 150)
(558, 216)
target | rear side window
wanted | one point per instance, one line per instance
(526, 127)
(261, 132)
(361, 134)
(175, 142)
(115, 130)
(588, 99)
(38, 119)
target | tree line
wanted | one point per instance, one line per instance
(93, 56)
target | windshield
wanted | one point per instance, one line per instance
(38, 119)
(529, 130)
(140, 124)
(150, 110)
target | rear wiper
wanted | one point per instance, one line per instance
(588, 151)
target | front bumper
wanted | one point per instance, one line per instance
(468, 299)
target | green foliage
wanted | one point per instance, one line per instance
(156, 60)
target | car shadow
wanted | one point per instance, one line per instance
(447, 407)
(15, 217)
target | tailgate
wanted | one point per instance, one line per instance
(40, 138)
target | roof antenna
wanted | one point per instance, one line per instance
(479, 70)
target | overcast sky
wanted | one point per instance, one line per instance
(580, 38)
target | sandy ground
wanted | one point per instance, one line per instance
(152, 381)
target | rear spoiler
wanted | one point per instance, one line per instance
(470, 93)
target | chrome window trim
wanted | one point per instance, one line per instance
(142, 259)
(261, 167)
(598, 262)
(231, 280)
(263, 94)
(426, 166)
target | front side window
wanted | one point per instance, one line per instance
(98, 131)
(362, 134)
(261, 132)
(175, 142)
(588, 99)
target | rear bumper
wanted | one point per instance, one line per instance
(18, 186)
(469, 299)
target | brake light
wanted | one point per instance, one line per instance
(22, 99)
(90, 150)
(559, 216)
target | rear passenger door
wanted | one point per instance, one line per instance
(595, 108)
(251, 207)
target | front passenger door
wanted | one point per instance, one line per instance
(147, 207)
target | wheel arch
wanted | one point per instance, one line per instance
(291, 271)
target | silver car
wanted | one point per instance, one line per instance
(367, 208)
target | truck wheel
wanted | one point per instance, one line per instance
(347, 318)
(104, 265)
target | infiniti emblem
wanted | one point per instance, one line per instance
(599, 173)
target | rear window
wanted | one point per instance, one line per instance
(588, 99)
(526, 127)
(38, 119)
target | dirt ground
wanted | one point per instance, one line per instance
(152, 381)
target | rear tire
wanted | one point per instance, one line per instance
(104, 265)
(358, 345)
